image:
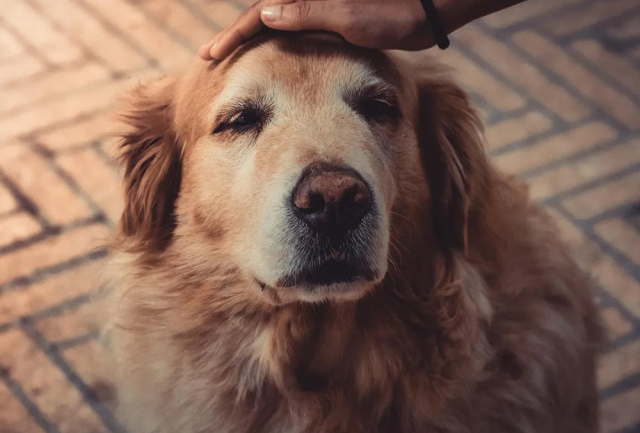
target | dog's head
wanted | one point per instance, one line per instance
(297, 159)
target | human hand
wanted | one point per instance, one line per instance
(381, 24)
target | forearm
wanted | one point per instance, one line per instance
(457, 13)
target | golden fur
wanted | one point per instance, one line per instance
(481, 323)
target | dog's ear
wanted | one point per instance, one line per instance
(452, 154)
(150, 154)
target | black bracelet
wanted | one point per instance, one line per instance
(434, 21)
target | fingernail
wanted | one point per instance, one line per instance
(212, 49)
(203, 52)
(272, 13)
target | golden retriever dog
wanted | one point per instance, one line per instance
(314, 241)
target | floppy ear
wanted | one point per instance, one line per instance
(452, 153)
(150, 154)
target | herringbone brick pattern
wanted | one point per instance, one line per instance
(558, 84)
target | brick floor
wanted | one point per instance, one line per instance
(558, 83)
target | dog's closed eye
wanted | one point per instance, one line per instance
(374, 104)
(377, 110)
(243, 117)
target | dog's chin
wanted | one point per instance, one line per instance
(331, 281)
(347, 291)
(337, 292)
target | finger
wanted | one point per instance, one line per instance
(239, 32)
(209, 51)
(244, 27)
(304, 15)
(205, 50)
(232, 39)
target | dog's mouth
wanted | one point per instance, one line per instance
(327, 273)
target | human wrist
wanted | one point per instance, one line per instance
(449, 14)
(436, 22)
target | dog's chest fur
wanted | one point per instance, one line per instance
(305, 368)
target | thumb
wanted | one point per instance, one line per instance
(304, 15)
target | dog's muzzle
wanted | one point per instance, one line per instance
(332, 216)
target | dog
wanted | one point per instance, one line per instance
(313, 241)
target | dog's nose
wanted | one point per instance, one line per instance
(331, 199)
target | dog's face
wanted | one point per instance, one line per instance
(296, 167)
(291, 161)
